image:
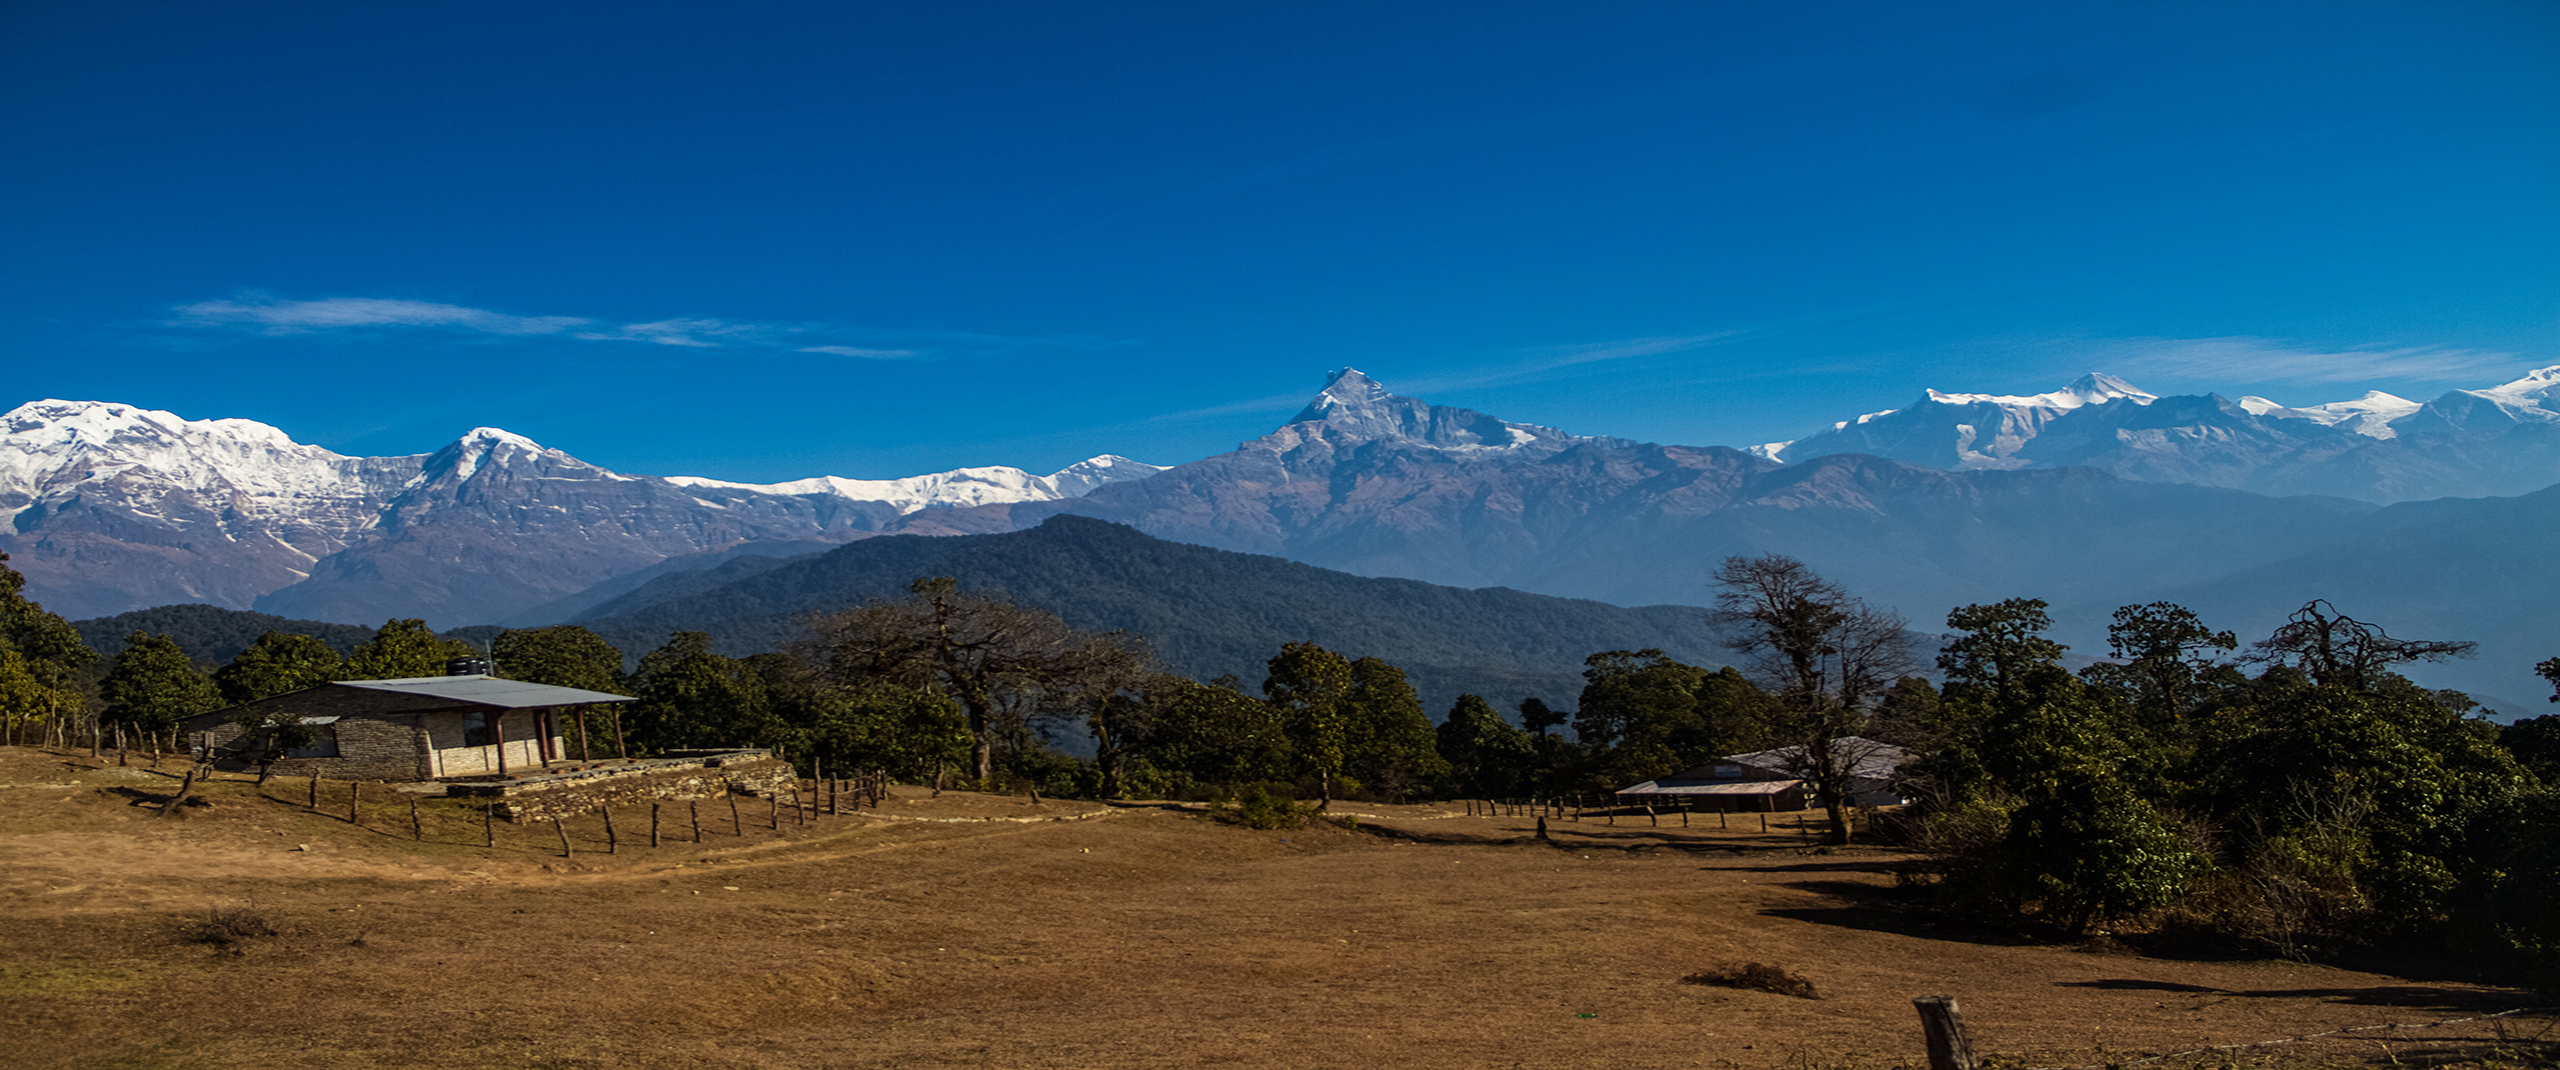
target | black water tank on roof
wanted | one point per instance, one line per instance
(469, 667)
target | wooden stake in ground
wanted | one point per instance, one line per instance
(773, 811)
(832, 809)
(488, 824)
(735, 829)
(417, 831)
(612, 842)
(354, 789)
(184, 786)
(563, 830)
(314, 802)
(694, 809)
(1943, 1024)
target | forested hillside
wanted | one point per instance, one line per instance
(1205, 612)
(212, 633)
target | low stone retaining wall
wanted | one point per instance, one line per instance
(548, 795)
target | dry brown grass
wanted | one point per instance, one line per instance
(982, 931)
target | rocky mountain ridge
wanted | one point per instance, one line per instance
(2501, 440)
(112, 507)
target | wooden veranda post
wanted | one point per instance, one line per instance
(1942, 1023)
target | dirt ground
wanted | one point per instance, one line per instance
(986, 931)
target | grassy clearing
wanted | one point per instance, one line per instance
(977, 930)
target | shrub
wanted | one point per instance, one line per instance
(227, 926)
(1260, 809)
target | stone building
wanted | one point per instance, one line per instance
(420, 728)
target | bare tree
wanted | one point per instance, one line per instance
(985, 653)
(2334, 648)
(1826, 655)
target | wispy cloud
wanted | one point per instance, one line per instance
(1531, 363)
(269, 316)
(369, 316)
(857, 351)
(2245, 359)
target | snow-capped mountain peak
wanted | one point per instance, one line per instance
(2370, 415)
(1347, 388)
(958, 488)
(2538, 390)
(2091, 389)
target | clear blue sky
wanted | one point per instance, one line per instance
(764, 241)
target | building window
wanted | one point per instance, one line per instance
(475, 730)
(324, 747)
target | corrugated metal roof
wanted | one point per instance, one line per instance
(487, 691)
(1747, 787)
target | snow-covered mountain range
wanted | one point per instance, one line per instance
(2246, 506)
(2499, 440)
(111, 507)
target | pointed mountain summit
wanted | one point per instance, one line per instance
(1354, 407)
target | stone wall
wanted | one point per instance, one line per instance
(369, 748)
(539, 797)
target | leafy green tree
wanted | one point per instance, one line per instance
(691, 698)
(2535, 743)
(563, 655)
(1310, 687)
(2167, 655)
(986, 654)
(153, 687)
(1996, 645)
(1388, 741)
(275, 664)
(2385, 777)
(1487, 757)
(42, 659)
(911, 733)
(404, 649)
(2092, 850)
(1192, 735)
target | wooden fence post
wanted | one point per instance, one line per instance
(184, 786)
(354, 817)
(693, 809)
(313, 803)
(417, 830)
(653, 823)
(488, 824)
(773, 810)
(612, 841)
(563, 830)
(1943, 1024)
(735, 829)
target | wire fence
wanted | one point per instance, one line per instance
(2297, 1039)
